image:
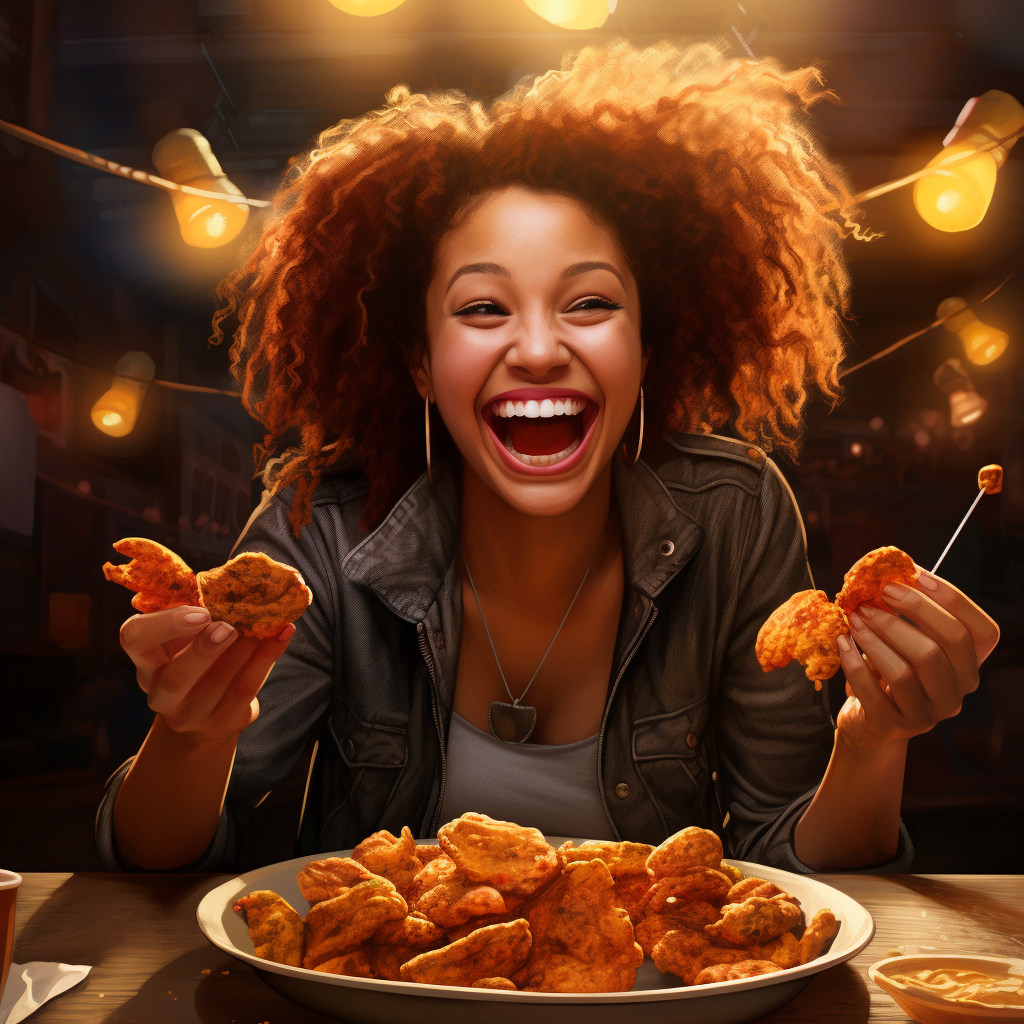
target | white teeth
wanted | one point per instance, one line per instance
(547, 408)
(559, 408)
(532, 410)
(542, 460)
(520, 409)
(543, 409)
(510, 409)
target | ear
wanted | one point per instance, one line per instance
(421, 373)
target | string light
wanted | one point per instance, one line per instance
(116, 412)
(367, 8)
(957, 198)
(982, 344)
(966, 406)
(577, 14)
(184, 156)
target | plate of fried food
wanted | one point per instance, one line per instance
(496, 919)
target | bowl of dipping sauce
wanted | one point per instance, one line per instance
(954, 988)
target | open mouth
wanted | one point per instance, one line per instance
(541, 429)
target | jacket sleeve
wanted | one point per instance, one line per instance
(774, 732)
(293, 699)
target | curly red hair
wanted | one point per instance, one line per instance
(701, 164)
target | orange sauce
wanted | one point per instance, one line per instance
(964, 986)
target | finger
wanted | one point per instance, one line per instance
(198, 704)
(944, 629)
(893, 667)
(982, 627)
(185, 670)
(143, 636)
(232, 712)
(863, 685)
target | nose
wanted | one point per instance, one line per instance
(537, 350)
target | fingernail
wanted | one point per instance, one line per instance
(286, 631)
(844, 644)
(895, 591)
(856, 621)
(926, 579)
(192, 618)
(220, 632)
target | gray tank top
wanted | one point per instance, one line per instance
(552, 788)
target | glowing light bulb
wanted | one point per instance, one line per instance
(577, 14)
(367, 8)
(116, 411)
(184, 157)
(956, 198)
(982, 344)
(966, 406)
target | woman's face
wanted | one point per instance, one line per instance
(533, 351)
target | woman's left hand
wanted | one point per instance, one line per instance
(915, 675)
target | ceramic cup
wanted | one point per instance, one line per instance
(9, 882)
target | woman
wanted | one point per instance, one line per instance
(548, 306)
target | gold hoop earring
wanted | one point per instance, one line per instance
(640, 438)
(426, 419)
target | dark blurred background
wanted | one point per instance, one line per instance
(92, 266)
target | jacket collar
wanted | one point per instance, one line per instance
(404, 561)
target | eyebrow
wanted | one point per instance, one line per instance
(573, 270)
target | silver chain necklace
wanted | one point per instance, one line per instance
(515, 722)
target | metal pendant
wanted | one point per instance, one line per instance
(512, 723)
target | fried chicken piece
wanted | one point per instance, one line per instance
(355, 964)
(807, 628)
(159, 577)
(650, 930)
(756, 919)
(734, 972)
(630, 893)
(393, 858)
(427, 852)
(414, 930)
(818, 935)
(324, 879)
(387, 961)
(582, 942)
(691, 847)
(439, 870)
(734, 873)
(274, 927)
(869, 576)
(752, 887)
(339, 925)
(255, 593)
(460, 931)
(685, 953)
(495, 951)
(499, 983)
(990, 479)
(456, 900)
(688, 913)
(509, 857)
(695, 884)
(784, 951)
(622, 858)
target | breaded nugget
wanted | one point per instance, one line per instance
(387, 961)
(990, 479)
(696, 884)
(818, 935)
(692, 847)
(685, 953)
(339, 925)
(733, 872)
(427, 852)
(807, 628)
(752, 887)
(499, 983)
(649, 930)
(582, 942)
(391, 857)
(784, 951)
(509, 857)
(733, 972)
(439, 870)
(274, 927)
(460, 931)
(688, 913)
(256, 594)
(158, 576)
(456, 900)
(869, 576)
(492, 952)
(355, 964)
(413, 930)
(630, 893)
(756, 919)
(622, 858)
(324, 879)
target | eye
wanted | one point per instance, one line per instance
(485, 308)
(592, 302)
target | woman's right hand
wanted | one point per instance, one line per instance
(201, 677)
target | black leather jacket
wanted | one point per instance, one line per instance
(693, 731)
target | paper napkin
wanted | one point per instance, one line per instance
(32, 984)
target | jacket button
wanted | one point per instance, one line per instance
(439, 640)
(666, 547)
(692, 740)
(622, 791)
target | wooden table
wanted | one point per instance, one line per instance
(152, 964)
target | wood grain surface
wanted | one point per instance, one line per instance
(149, 957)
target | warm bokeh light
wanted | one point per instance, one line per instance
(184, 157)
(367, 8)
(982, 344)
(966, 406)
(578, 14)
(956, 198)
(117, 410)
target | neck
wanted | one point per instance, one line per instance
(533, 558)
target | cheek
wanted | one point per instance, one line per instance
(459, 371)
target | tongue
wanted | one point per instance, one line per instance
(543, 436)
